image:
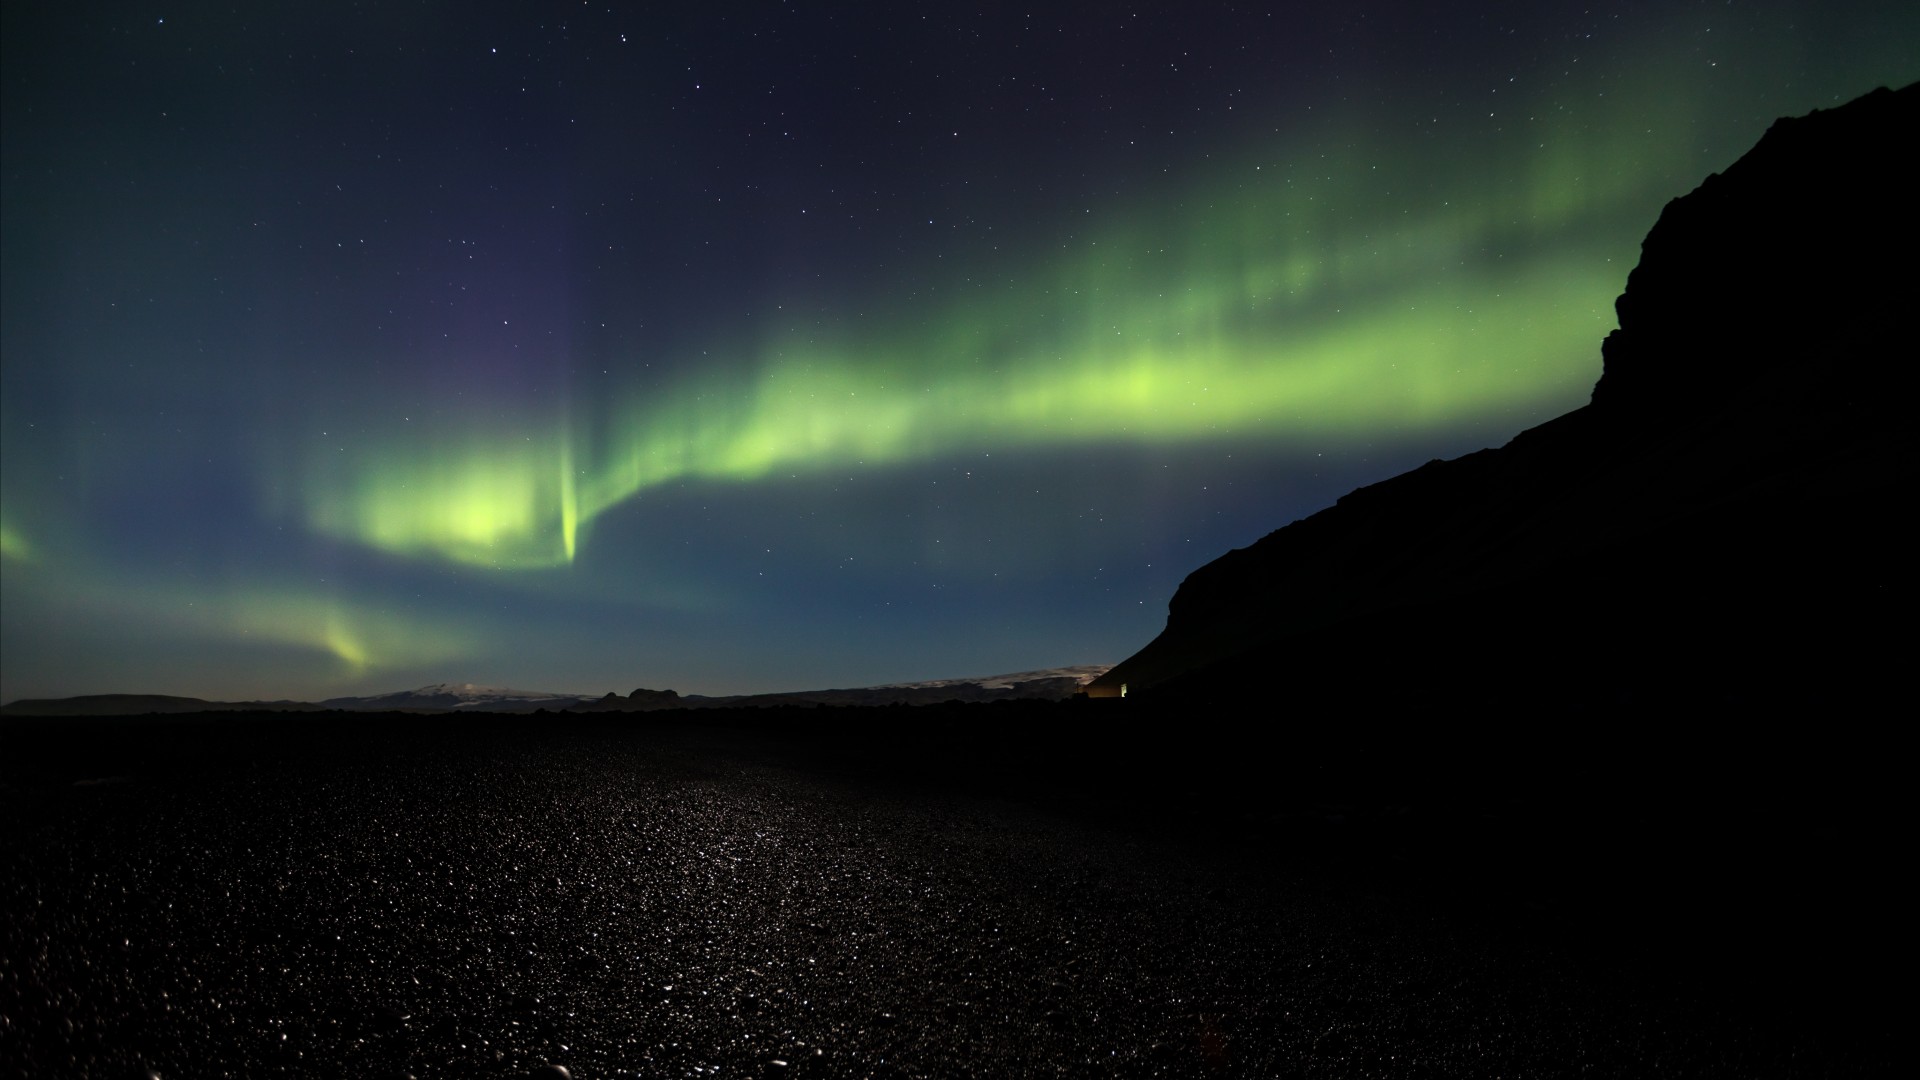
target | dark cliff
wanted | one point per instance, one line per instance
(1724, 522)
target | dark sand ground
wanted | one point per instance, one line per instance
(947, 892)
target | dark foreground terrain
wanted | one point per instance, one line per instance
(991, 891)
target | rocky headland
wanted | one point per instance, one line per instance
(1722, 523)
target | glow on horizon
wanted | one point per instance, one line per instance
(345, 638)
(14, 545)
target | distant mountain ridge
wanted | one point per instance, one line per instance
(1725, 522)
(1043, 684)
(458, 697)
(144, 705)
(1046, 684)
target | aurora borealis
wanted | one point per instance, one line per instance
(773, 347)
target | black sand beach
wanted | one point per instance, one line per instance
(1041, 890)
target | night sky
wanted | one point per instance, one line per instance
(745, 347)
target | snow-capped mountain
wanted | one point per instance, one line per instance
(461, 697)
(1081, 675)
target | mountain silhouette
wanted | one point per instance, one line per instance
(1723, 523)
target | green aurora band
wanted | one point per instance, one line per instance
(1281, 303)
